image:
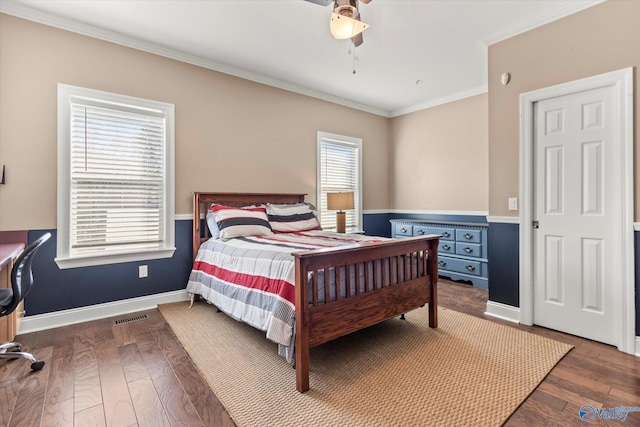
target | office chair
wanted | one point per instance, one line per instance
(21, 282)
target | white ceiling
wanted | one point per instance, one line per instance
(416, 54)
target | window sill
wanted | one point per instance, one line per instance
(117, 258)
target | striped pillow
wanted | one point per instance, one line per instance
(292, 218)
(241, 222)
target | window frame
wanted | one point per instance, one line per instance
(64, 258)
(344, 140)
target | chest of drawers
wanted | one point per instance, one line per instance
(462, 252)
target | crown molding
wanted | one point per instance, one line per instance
(567, 9)
(444, 100)
(23, 11)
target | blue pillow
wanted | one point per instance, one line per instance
(213, 225)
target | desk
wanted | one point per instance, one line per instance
(9, 324)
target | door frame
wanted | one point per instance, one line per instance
(624, 296)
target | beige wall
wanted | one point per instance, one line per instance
(600, 39)
(231, 134)
(439, 158)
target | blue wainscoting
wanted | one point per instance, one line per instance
(57, 289)
(377, 224)
(504, 259)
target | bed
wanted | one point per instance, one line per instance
(329, 289)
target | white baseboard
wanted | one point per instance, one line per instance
(503, 311)
(72, 316)
(637, 346)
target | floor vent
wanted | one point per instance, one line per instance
(131, 319)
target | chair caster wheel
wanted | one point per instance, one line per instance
(37, 365)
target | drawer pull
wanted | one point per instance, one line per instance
(468, 236)
(468, 250)
(445, 234)
(471, 268)
(421, 232)
(442, 263)
(446, 247)
(403, 230)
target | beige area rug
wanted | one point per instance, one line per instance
(467, 372)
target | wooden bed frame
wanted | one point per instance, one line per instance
(414, 274)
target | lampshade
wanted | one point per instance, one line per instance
(345, 27)
(340, 201)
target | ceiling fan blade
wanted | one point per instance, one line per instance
(357, 39)
(321, 2)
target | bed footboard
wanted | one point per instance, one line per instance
(381, 280)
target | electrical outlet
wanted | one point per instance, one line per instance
(513, 203)
(143, 271)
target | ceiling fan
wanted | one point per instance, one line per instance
(345, 19)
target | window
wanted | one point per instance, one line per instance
(115, 178)
(339, 170)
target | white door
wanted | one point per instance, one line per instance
(577, 202)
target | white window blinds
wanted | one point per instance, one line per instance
(117, 179)
(339, 172)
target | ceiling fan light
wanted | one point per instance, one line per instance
(344, 27)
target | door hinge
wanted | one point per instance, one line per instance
(536, 224)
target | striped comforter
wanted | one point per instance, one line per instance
(252, 279)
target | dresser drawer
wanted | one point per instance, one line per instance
(462, 250)
(403, 230)
(469, 249)
(445, 247)
(446, 233)
(464, 235)
(460, 266)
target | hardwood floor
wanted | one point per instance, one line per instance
(137, 374)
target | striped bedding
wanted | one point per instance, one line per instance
(252, 279)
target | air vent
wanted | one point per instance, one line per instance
(131, 319)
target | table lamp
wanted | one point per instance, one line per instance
(340, 202)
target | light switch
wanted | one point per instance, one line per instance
(513, 203)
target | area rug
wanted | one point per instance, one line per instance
(467, 372)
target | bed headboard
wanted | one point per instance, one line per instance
(202, 201)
